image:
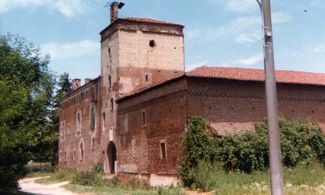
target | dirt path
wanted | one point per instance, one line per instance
(29, 185)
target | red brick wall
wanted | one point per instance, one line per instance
(80, 100)
(236, 105)
(139, 145)
(229, 106)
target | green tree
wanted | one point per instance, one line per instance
(26, 108)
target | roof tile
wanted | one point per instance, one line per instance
(247, 74)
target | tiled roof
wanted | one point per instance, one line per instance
(247, 74)
(149, 20)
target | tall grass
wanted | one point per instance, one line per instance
(307, 179)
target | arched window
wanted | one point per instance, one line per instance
(81, 149)
(104, 120)
(78, 120)
(92, 117)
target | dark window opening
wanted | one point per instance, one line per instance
(109, 81)
(104, 117)
(163, 150)
(112, 104)
(93, 142)
(147, 77)
(81, 152)
(143, 118)
(152, 43)
(92, 117)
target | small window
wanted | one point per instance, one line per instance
(81, 152)
(74, 155)
(92, 117)
(112, 104)
(104, 120)
(147, 78)
(152, 43)
(68, 129)
(93, 143)
(144, 120)
(163, 152)
(78, 120)
(109, 81)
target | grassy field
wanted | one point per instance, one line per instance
(301, 180)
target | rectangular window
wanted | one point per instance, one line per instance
(163, 152)
(109, 81)
(74, 155)
(144, 120)
(93, 143)
(112, 104)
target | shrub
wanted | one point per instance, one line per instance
(204, 176)
(98, 168)
(301, 142)
(61, 175)
(87, 178)
(196, 147)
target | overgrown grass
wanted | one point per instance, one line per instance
(56, 176)
(300, 180)
(119, 190)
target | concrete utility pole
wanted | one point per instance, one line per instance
(271, 101)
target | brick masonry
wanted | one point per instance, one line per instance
(132, 118)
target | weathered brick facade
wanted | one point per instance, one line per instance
(230, 106)
(133, 117)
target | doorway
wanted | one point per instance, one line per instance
(111, 155)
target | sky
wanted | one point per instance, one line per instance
(217, 32)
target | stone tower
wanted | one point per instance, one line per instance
(136, 53)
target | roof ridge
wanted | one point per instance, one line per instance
(254, 74)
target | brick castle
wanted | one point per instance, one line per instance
(133, 116)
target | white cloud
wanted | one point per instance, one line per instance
(248, 38)
(241, 5)
(280, 17)
(192, 34)
(68, 8)
(319, 48)
(71, 50)
(6, 5)
(244, 29)
(193, 66)
(250, 61)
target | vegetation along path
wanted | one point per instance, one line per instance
(28, 185)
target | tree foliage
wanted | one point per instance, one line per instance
(196, 147)
(26, 109)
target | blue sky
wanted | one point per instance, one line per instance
(217, 32)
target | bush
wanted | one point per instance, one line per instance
(196, 147)
(98, 168)
(204, 176)
(301, 142)
(87, 178)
